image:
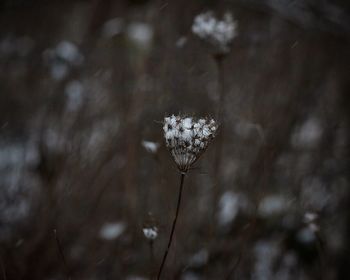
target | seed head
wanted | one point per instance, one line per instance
(218, 33)
(150, 233)
(187, 138)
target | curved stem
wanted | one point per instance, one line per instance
(174, 224)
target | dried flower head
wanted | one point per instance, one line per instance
(187, 138)
(218, 33)
(151, 232)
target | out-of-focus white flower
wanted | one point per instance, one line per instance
(151, 147)
(313, 227)
(306, 235)
(265, 252)
(273, 205)
(308, 134)
(187, 138)
(200, 258)
(69, 52)
(110, 231)
(74, 94)
(230, 204)
(61, 58)
(181, 42)
(315, 194)
(59, 70)
(112, 27)
(150, 233)
(229, 207)
(219, 33)
(141, 34)
(310, 219)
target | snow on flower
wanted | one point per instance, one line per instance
(187, 138)
(150, 233)
(219, 33)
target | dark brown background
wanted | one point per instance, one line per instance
(76, 167)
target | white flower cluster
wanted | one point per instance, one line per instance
(219, 33)
(187, 138)
(150, 233)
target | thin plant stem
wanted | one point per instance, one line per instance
(322, 261)
(60, 249)
(151, 252)
(173, 226)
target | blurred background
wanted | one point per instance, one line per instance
(84, 87)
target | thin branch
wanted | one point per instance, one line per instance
(174, 224)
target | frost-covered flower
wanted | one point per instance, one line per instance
(187, 138)
(216, 32)
(150, 233)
